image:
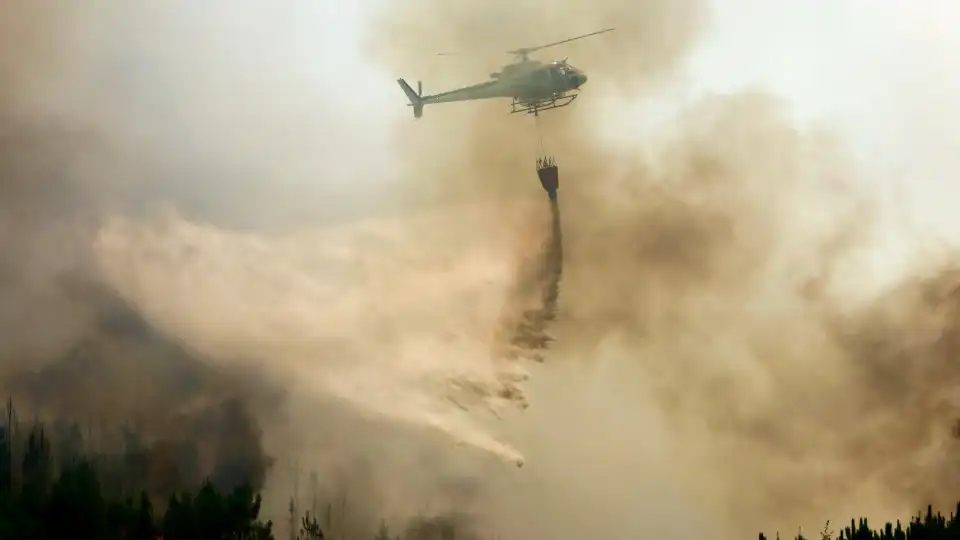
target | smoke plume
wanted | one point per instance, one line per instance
(728, 321)
(74, 351)
(720, 352)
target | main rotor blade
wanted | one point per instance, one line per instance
(526, 50)
(470, 54)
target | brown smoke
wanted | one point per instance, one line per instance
(717, 361)
(111, 109)
(73, 351)
(713, 267)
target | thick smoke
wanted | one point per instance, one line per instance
(73, 350)
(108, 112)
(717, 352)
(714, 271)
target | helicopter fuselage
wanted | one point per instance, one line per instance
(533, 86)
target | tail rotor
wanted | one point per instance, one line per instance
(416, 98)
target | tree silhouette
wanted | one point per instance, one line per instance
(53, 487)
(48, 489)
(383, 533)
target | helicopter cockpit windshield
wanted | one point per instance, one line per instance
(569, 73)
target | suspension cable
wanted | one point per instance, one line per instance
(536, 120)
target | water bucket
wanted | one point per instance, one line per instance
(550, 180)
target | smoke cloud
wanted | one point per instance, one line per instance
(720, 349)
(715, 281)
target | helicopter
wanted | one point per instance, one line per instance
(533, 86)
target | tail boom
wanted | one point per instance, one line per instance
(416, 98)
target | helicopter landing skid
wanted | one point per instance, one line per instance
(536, 106)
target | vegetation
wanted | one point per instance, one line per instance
(57, 491)
(927, 526)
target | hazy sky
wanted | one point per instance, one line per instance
(883, 72)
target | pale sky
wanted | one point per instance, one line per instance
(883, 72)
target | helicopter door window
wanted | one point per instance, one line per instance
(557, 76)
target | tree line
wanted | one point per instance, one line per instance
(928, 526)
(54, 484)
(59, 488)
